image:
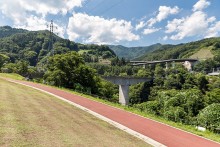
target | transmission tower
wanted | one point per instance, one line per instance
(50, 47)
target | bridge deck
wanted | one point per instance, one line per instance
(162, 61)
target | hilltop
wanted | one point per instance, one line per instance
(6, 31)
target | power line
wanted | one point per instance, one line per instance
(114, 5)
(84, 5)
(91, 10)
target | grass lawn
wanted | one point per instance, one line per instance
(32, 118)
(204, 53)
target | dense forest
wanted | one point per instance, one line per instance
(175, 94)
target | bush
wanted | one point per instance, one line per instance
(212, 96)
(149, 107)
(209, 117)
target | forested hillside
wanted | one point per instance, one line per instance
(184, 50)
(33, 46)
(6, 31)
(133, 52)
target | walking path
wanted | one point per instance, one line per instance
(164, 134)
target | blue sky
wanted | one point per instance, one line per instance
(124, 22)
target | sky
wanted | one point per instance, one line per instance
(117, 22)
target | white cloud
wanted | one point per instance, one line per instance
(165, 38)
(197, 24)
(31, 15)
(213, 31)
(141, 25)
(150, 30)
(34, 23)
(173, 25)
(211, 19)
(200, 5)
(95, 29)
(193, 25)
(164, 12)
(151, 22)
(19, 10)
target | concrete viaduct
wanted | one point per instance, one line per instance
(187, 62)
(124, 83)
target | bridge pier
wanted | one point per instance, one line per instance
(167, 65)
(124, 83)
(173, 64)
(124, 94)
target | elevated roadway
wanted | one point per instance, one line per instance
(136, 63)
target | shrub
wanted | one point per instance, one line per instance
(209, 117)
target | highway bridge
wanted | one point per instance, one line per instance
(135, 63)
(188, 63)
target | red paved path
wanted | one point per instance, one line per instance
(164, 134)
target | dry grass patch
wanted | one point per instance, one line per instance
(32, 118)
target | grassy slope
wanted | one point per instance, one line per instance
(204, 53)
(31, 118)
(12, 76)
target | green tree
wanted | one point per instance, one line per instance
(68, 70)
(202, 83)
(3, 59)
(10, 68)
(22, 67)
(213, 96)
(31, 56)
(159, 75)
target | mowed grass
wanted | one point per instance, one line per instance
(32, 118)
(204, 53)
(12, 76)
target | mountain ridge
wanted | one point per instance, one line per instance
(13, 40)
(184, 50)
(133, 52)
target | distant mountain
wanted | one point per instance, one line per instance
(202, 49)
(6, 31)
(133, 52)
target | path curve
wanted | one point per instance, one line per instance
(166, 135)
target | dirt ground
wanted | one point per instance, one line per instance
(32, 118)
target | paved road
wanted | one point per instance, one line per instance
(159, 132)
